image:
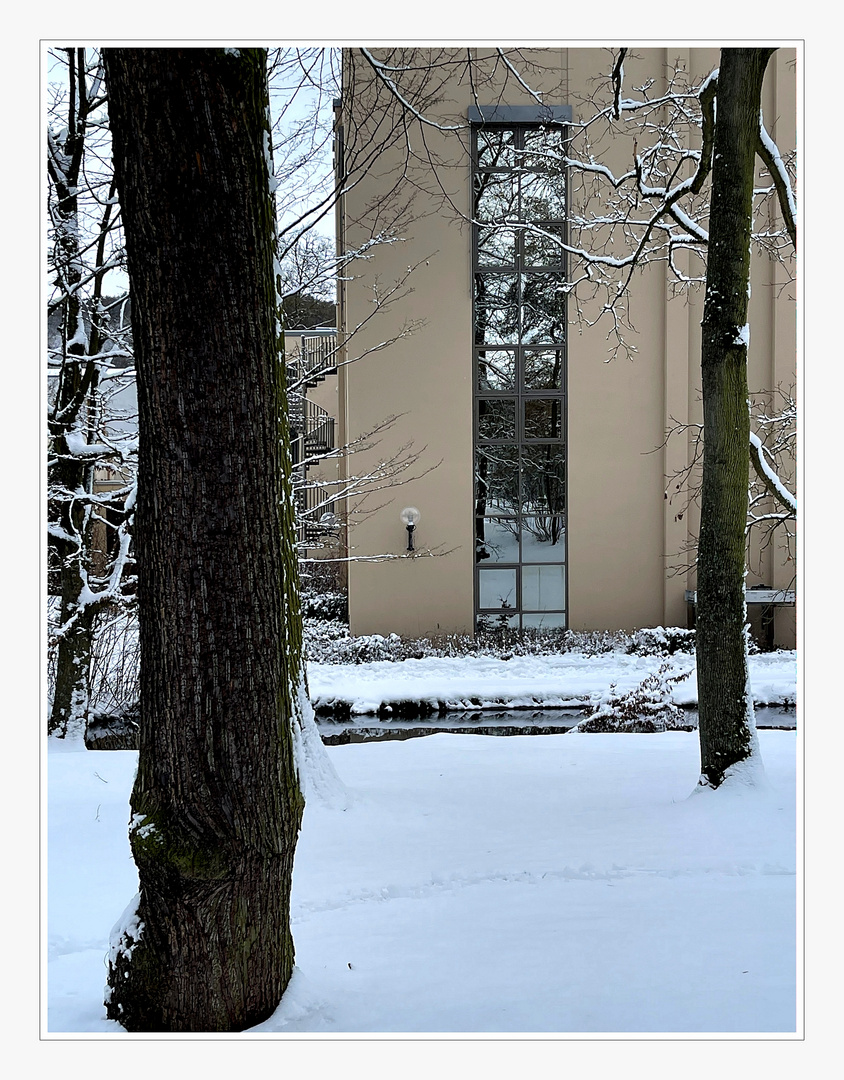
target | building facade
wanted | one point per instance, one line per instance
(480, 340)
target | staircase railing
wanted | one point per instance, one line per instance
(311, 434)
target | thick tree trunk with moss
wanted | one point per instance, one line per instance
(216, 805)
(727, 729)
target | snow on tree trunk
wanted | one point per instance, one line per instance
(727, 726)
(216, 805)
(69, 707)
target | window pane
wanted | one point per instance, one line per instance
(543, 418)
(543, 588)
(496, 247)
(497, 588)
(496, 308)
(543, 197)
(551, 621)
(497, 419)
(544, 538)
(497, 480)
(543, 480)
(544, 245)
(543, 148)
(497, 197)
(496, 370)
(496, 540)
(543, 370)
(498, 622)
(495, 148)
(543, 309)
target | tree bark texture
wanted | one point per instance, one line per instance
(216, 805)
(727, 729)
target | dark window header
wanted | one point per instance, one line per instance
(520, 114)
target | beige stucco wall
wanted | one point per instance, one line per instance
(625, 538)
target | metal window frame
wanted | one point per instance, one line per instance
(517, 118)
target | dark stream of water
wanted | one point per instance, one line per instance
(491, 722)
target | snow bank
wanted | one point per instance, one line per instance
(567, 680)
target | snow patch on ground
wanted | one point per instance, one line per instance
(473, 884)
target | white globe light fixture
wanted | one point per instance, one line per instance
(410, 519)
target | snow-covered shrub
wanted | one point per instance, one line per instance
(324, 594)
(647, 707)
(107, 731)
(661, 641)
(325, 605)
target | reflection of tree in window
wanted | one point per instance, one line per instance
(543, 308)
(497, 419)
(542, 370)
(519, 198)
(496, 370)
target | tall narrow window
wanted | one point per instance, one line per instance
(519, 312)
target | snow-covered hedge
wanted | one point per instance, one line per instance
(328, 641)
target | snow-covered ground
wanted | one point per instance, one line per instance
(550, 883)
(567, 680)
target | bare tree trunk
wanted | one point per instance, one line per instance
(69, 709)
(727, 728)
(216, 804)
(71, 474)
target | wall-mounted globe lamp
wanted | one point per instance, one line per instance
(410, 519)
(329, 524)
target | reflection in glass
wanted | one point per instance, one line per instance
(497, 418)
(543, 587)
(496, 308)
(543, 197)
(543, 244)
(496, 247)
(501, 290)
(496, 540)
(496, 370)
(519, 334)
(496, 197)
(543, 480)
(552, 620)
(498, 622)
(543, 370)
(497, 480)
(495, 148)
(543, 418)
(496, 326)
(544, 538)
(543, 309)
(543, 148)
(497, 588)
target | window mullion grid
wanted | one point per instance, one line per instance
(520, 390)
